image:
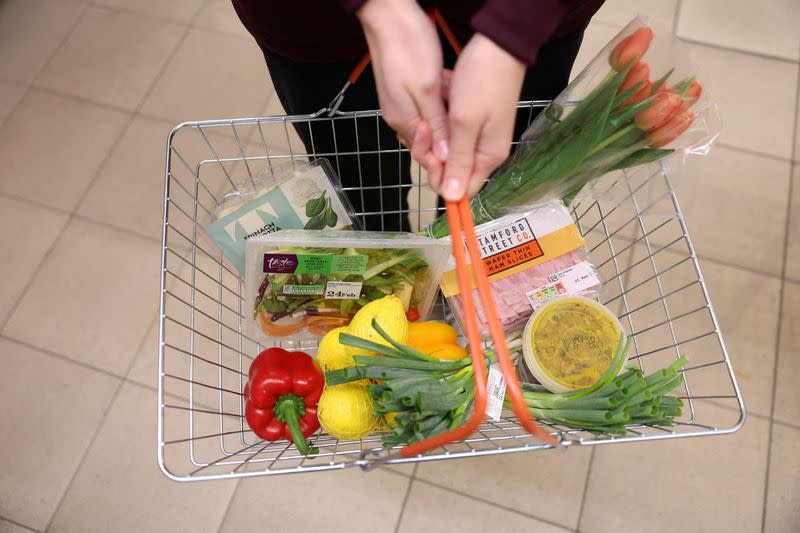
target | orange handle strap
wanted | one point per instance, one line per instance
(356, 73)
(459, 216)
(474, 338)
(495, 328)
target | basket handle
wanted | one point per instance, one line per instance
(459, 217)
(436, 19)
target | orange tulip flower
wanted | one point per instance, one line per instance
(644, 92)
(631, 48)
(665, 106)
(639, 72)
(667, 133)
(692, 94)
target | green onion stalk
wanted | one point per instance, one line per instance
(601, 134)
(417, 393)
(614, 401)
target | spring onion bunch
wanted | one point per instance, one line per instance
(417, 393)
(613, 402)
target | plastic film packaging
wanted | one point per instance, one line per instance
(296, 195)
(531, 258)
(303, 283)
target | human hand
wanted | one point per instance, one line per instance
(407, 62)
(483, 96)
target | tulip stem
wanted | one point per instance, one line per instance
(611, 138)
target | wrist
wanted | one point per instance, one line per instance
(374, 14)
(499, 53)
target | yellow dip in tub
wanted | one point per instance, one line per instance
(569, 343)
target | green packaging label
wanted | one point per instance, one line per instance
(331, 264)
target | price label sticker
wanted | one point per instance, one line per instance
(496, 392)
(343, 290)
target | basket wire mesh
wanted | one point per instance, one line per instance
(631, 221)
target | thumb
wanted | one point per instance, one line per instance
(431, 107)
(460, 162)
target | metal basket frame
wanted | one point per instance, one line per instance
(202, 370)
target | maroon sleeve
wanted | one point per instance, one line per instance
(352, 5)
(520, 27)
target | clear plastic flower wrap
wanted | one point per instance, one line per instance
(637, 101)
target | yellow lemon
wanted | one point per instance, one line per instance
(390, 315)
(332, 355)
(345, 411)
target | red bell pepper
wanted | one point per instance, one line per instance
(281, 396)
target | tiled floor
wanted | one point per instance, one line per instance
(88, 91)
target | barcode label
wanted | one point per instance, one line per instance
(496, 392)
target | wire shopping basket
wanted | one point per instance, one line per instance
(632, 224)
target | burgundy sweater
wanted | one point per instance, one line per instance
(320, 31)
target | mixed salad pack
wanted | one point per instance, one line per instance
(306, 282)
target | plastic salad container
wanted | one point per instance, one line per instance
(304, 283)
(569, 343)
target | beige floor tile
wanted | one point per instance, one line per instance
(620, 12)
(349, 500)
(746, 305)
(9, 527)
(743, 27)
(705, 484)
(145, 367)
(755, 97)
(100, 287)
(596, 37)
(749, 330)
(797, 133)
(26, 233)
(175, 10)
(120, 71)
(783, 496)
(787, 396)
(219, 15)
(510, 480)
(213, 75)
(120, 487)
(717, 189)
(10, 95)
(30, 31)
(434, 509)
(54, 407)
(793, 252)
(129, 191)
(51, 147)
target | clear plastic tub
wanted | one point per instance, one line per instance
(303, 283)
(569, 343)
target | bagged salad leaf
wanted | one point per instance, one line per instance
(296, 195)
(531, 257)
(303, 283)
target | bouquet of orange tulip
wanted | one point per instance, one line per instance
(625, 120)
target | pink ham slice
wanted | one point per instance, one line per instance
(513, 307)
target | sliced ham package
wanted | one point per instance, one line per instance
(531, 257)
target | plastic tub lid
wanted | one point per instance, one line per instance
(569, 343)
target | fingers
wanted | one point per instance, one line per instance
(431, 107)
(421, 151)
(459, 167)
(447, 78)
(493, 146)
